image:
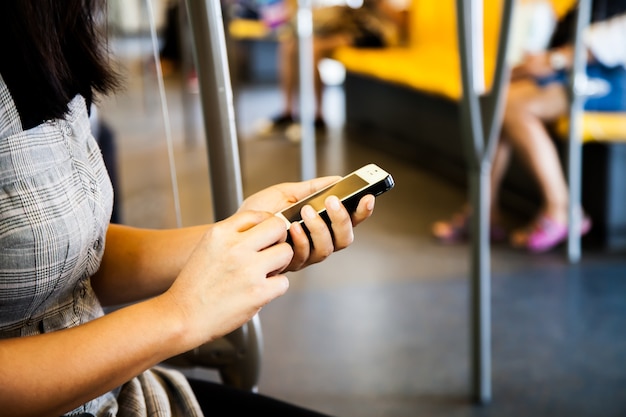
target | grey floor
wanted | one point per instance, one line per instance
(381, 329)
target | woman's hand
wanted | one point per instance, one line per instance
(231, 274)
(275, 198)
(534, 65)
(543, 64)
(323, 241)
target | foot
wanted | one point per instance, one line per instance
(319, 124)
(545, 234)
(282, 121)
(294, 132)
(278, 123)
(457, 229)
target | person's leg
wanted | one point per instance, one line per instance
(170, 53)
(523, 131)
(217, 400)
(499, 166)
(322, 48)
(529, 108)
(288, 72)
(288, 79)
(456, 229)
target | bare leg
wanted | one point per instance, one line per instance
(528, 108)
(456, 228)
(288, 67)
(288, 64)
(499, 166)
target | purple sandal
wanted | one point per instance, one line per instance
(547, 234)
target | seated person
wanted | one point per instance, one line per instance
(538, 96)
(375, 24)
(63, 260)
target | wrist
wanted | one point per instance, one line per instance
(174, 321)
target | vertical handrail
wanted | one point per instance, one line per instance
(184, 44)
(307, 89)
(216, 96)
(479, 145)
(574, 145)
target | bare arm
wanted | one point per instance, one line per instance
(223, 284)
(211, 280)
(140, 263)
(51, 374)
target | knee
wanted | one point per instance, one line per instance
(515, 112)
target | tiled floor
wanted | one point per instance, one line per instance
(381, 329)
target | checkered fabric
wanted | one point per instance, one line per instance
(55, 206)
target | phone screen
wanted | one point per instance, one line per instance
(342, 189)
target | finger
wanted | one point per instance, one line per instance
(229, 230)
(301, 247)
(299, 190)
(277, 285)
(246, 220)
(341, 223)
(267, 233)
(364, 210)
(319, 183)
(321, 238)
(276, 258)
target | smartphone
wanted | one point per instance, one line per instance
(369, 179)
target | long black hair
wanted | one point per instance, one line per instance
(52, 50)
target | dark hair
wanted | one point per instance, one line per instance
(51, 51)
(600, 10)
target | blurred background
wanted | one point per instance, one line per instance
(382, 328)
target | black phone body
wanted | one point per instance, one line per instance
(369, 179)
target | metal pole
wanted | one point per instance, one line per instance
(479, 144)
(184, 40)
(471, 122)
(216, 96)
(307, 89)
(574, 145)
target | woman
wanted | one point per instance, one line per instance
(62, 261)
(537, 97)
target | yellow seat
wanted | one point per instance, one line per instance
(244, 29)
(430, 62)
(597, 127)
(606, 127)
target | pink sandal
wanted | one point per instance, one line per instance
(457, 230)
(546, 234)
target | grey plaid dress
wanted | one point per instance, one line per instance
(55, 206)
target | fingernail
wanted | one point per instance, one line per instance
(370, 204)
(333, 202)
(296, 228)
(308, 212)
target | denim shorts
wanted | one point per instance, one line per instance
(606, 87)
